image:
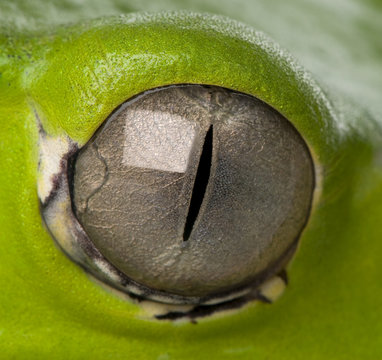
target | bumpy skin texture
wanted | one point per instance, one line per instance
(72, 77)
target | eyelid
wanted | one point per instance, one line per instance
(86, 89)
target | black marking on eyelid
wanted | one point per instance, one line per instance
(58, 178)
(201, 311)
(200, 184)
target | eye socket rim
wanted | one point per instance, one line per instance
(85, 254)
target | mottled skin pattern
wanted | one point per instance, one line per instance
(71, 78)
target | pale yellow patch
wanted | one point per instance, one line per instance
(273, 288)
(52, 150)
(151, 308)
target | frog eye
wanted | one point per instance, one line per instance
(185, 195)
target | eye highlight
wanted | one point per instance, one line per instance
(190, 194)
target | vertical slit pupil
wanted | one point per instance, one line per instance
(200, 184)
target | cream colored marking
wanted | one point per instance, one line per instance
(153, 309)
(229, 297)
(58, 222)
(52, 150)
(105, 269)
(273, 288)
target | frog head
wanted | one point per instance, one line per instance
(59, 88)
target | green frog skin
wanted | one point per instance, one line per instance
(65, 67)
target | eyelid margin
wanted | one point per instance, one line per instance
(87, 79)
